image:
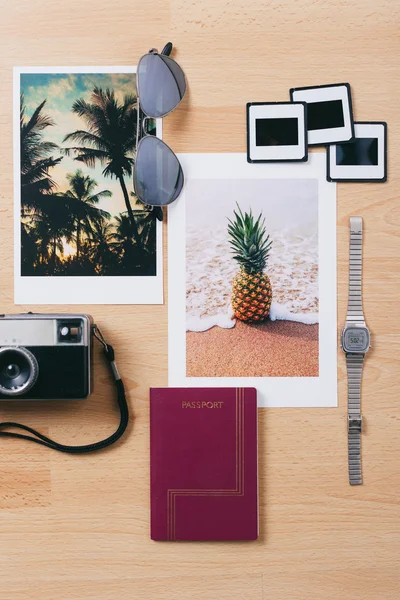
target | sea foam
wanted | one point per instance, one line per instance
(292, 268)
(278, 312)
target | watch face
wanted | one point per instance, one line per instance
(356, 339)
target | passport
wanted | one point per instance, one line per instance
(203, 464)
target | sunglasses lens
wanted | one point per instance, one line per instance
(161, 84)
(158, 175)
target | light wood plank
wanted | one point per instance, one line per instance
(78, 527)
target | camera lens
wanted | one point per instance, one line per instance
(18, 370)
(12, 371)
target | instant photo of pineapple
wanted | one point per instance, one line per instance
(252, 278)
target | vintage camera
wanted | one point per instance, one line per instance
(45, 357)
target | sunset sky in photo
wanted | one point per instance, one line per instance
(61, 90)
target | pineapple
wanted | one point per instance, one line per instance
(251, 287)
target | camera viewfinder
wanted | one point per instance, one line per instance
(69, 332)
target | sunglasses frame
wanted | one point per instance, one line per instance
(141, 130)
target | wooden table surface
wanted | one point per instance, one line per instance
(77, 528)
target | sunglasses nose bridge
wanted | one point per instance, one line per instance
(144, 124)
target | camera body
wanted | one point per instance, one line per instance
(45, 356)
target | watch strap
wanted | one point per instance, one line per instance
(354, 364)
(354, 306)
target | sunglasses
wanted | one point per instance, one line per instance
(161, 85)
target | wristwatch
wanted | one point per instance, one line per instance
(355, 343)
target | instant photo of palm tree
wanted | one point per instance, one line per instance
(79, 215)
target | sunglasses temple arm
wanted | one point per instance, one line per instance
(138, 124)
(158, 212)
(137, 136)
(167, 49)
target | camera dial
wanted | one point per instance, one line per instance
(18, 370)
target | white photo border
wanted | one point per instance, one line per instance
(361, 173)
(272, 391)
(77, 290)
(280, 110)
(324, 93)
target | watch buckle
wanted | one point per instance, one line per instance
(355, 423)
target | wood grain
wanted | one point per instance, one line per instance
(77, 528)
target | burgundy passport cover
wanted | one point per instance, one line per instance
(203, 463)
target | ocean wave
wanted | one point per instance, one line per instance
(278, 312)
(225, 321)
(292, 268)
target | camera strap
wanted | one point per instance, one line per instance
(39, 438)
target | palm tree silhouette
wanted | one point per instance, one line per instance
(143, 261)
(44, 238)
(81, 202)
(146, 222)
(122, 236)
(110, 139)
(35, 158)
(102, 243)
(29, 241)
(52, 226)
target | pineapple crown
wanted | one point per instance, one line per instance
(249, 242)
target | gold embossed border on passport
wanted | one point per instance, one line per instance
(172, 494)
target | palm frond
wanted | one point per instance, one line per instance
(95, 199)
(39, 171)
(86, 137)
(37, 121)
(88, 156)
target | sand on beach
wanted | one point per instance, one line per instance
(269, 349)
